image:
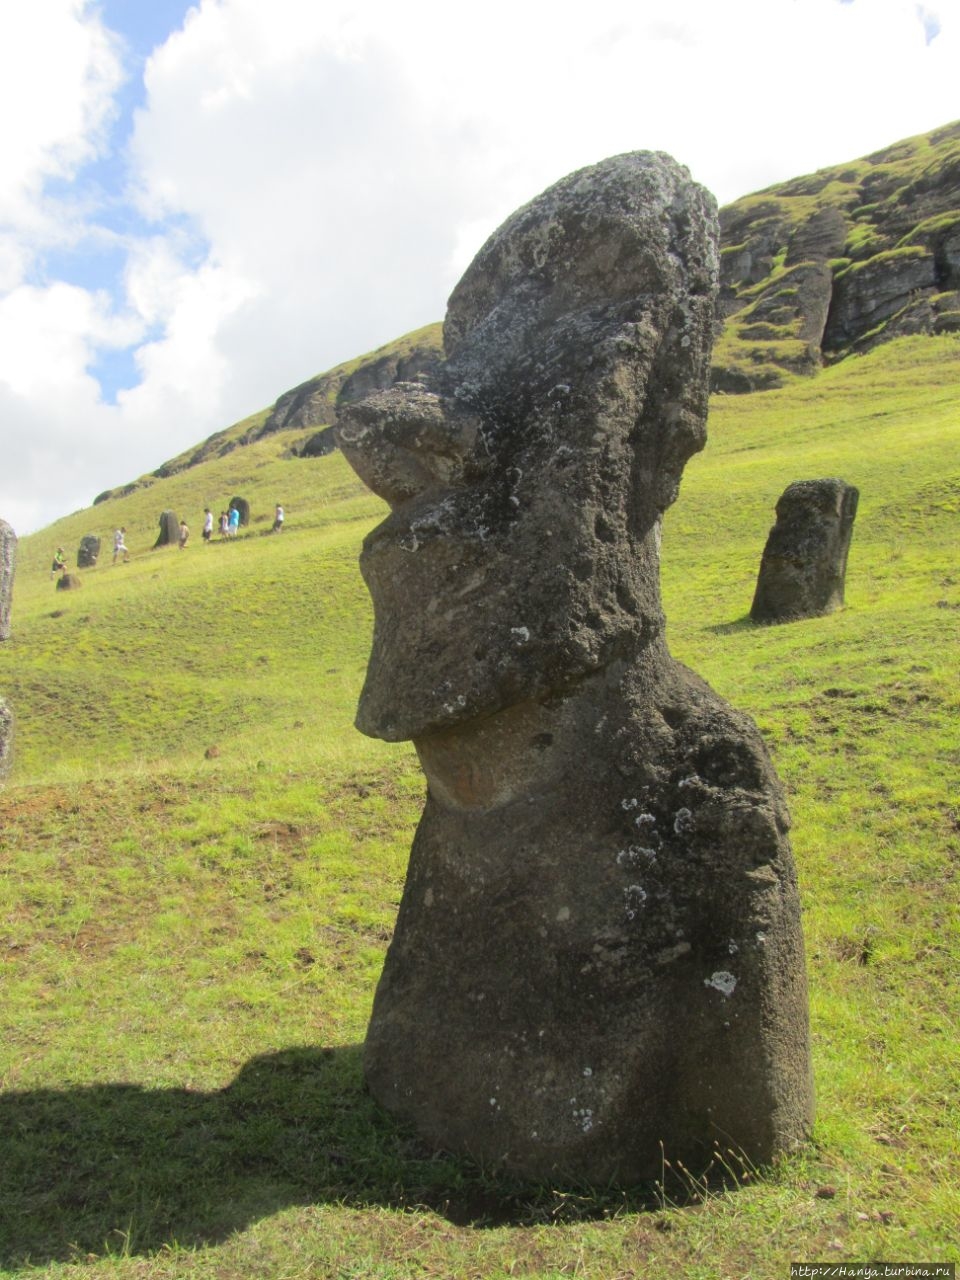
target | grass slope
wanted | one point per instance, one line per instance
(189, 945)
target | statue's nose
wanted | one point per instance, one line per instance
(401, 442)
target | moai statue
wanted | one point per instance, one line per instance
(89, 551)
(243, 506)
(597, 962)
(8, 561)
(169, 535)
(6, 739)
(804, 564)
(8, 557)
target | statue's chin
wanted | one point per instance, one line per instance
(392, 711)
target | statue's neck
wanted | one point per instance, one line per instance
(528, 750)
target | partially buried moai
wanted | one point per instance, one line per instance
(8, 564)
(804, 565)
(597, 960)
(8, 560)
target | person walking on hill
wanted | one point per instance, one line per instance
(224, 524)
(278, 520)
(120, 545)
(59, 563)
(184, 534)
(234, 521)
(207, 524)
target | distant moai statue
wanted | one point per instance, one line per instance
(597, 963)
(8, 557)
(804, 564)
(8, 560)
(89, 552)
(169, 530)
(243, 506)
(6, 739)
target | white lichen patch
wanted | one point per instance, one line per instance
(732, 947)
(635, 856)
(629, 804)
(688, 781)
(563, 915)
(634, 897)
(428, 898)
(645, 820)
(588, 1071)
(521, 634)
(682, 822)
(722, 981)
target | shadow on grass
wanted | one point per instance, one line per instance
(118, 1169)
(745, 623)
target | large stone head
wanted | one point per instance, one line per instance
(527, 484)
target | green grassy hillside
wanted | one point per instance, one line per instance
(189, 939)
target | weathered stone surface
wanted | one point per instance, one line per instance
(819, 237)
(8, 560)
(6, 739)
(89, 551)
(243, 506)
(169, 530)
(804, 564)
(868, 294)
(68, 582)
(598, 958)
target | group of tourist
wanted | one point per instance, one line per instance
(229, 527)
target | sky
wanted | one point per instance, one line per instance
(203, 205)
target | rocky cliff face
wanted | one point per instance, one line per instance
(836, 262)
(312, 403)
(811, 270)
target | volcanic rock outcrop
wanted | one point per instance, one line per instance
(804, 565)
(597, 960)
(840, 261)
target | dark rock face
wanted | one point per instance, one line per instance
(6, 739)
(312, 404)
(8, 560)
(868, 294)
(89, 552)
(804, 564)
(169, 530)
(878, 257)
(243, 506)
(320, 444)
(598, 958)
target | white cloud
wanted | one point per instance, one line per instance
(318, 175)
(59, 72)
